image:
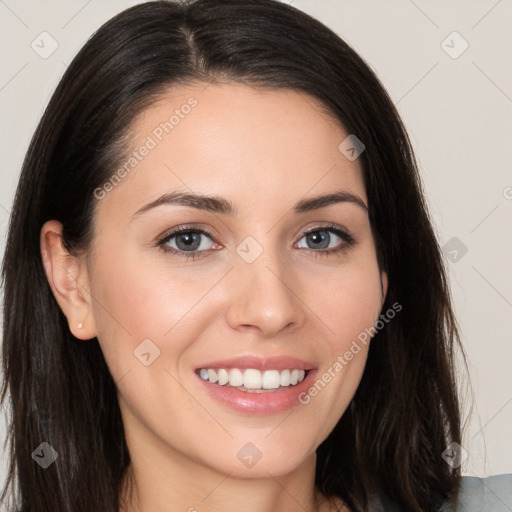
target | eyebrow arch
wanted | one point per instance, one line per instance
(216, 204)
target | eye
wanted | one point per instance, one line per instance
(188, 241)
(320, 238)
(185, 239)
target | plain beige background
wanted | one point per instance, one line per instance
(456, 103)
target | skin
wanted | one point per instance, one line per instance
(263, 151)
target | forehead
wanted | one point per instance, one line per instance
(275, 146)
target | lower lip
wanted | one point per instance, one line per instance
(259, 403)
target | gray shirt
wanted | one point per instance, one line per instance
(490, 494)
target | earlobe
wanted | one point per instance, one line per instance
(65, 274)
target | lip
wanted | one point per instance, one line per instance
(260, 363)
(259, 403)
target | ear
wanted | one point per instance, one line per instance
(384, 286)
(68, 279)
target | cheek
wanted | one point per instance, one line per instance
(134, 301)
(349, 301)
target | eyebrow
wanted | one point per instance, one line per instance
(216, 204)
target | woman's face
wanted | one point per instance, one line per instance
(259, 295)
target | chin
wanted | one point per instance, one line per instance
(259, 459)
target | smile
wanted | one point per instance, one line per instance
(253, 380)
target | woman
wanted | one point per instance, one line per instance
(174, 337)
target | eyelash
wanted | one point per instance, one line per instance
(349, 241)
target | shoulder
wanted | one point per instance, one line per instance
(489, 494)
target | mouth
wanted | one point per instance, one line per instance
(256, 385)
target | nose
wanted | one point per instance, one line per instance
(265, 296)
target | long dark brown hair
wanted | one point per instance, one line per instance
(390, 441)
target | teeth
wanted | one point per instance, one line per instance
(253, 379)
(285, 378)
(236, 377)
(223, 376)
(271, 379)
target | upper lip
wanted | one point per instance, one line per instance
(260, 363)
